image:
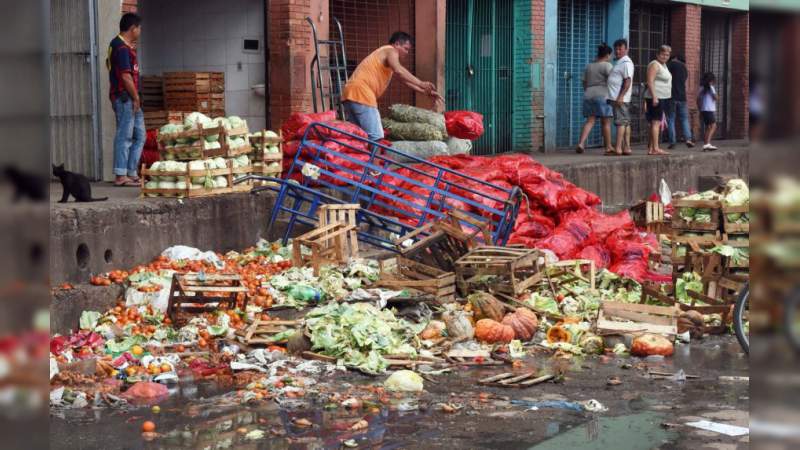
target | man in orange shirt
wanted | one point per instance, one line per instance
(372, 77)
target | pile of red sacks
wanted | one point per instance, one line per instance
(150, 150)
(554, 214)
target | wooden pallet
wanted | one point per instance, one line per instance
(230, 173)
(511, 379)
(680, 224)
(157, 119)
(735, 228)
(403, 273)
(194, 293)
(623, 318)
(441, 243)
(326, 246)
(260, 332)
(516, 269)
(200, 82)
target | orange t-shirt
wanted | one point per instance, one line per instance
(369, 81)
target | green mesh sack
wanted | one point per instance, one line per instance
(401, 131)
(412, 114)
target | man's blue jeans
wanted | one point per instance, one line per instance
(366, 117)
(129, 139)
(678, 110)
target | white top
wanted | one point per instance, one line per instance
(662, 83)
(707, 102)
(622, 71)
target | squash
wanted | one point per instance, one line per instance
(458, 324)
(491, 331)
(651, 344)
(557, 333)
(486, 306)
(433, 330)
(524, 323)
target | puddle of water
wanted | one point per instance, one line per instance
(631, 432)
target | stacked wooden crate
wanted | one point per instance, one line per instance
(157, 119)
(152, 93)
(195, 91)
(263, 159)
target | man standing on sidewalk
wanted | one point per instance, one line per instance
(123, 74)
(676, 106)
(620, 82)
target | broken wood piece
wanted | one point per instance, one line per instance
(535, 381)
(318, 357)
(517, 378)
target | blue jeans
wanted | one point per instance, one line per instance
(129, 139)
(366, 117)
(681, 110)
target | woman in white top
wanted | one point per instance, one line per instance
(595, 86)
(659, 88)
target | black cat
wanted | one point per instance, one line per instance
(26, 184)
(74, 184)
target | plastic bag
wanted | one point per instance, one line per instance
(420, 149)
(296, 124)
(533, 226)
(567, 239)
(464, 124)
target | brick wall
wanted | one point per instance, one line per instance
(367, 25)
(740, 76)
(129, 6)
(290, 52)
(685, 32)
(537, 32)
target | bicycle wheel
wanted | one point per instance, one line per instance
(738, 318)
(791, 317)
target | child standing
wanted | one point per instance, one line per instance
(707, 101)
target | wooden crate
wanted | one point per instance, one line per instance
(195, 293)
(515, 269)
(199, 82)
(328, 244)
(566, 272)
(260, 332)
(623, 318)
(346, 214)
(729, 263)
(680, 224)
(196, 150)
(735, 228)
(152, 93)
(403, 273)
(157, 119)
(259, 142)
(648, 215)
(441, 243)
(195, 91)
(651, 292)
(229, 172)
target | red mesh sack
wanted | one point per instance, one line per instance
(464, 124)
(597, 253)
(567, 239)
(574, 197)
(296, 124)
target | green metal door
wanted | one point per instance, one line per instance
(581, 28)
(479, 67)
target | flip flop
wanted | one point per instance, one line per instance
(128, 183)
(579, 149)
(611, 153)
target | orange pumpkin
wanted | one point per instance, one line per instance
(491, 331)
(524, 323)
(486, 306)
(557, 333)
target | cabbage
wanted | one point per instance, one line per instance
(180, 185)
(151, 185)
(170, 166)
(196, 186)
(274, 165)
(166, 185)
(169, 156)
(191, 121)
(736, 193)
(197, 165)
(212, 145)
(271, 134)
(273, 149)
(241, 161)
(220, 163)
(221, 181)
(236, 142)
(180, 166)
(237, 122)
(156, 166)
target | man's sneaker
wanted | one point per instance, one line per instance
(709, 148)
(689, 144)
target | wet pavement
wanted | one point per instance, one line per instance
(642, 412)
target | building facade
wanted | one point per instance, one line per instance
(518, 62)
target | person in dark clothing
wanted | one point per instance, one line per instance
(676, 107)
